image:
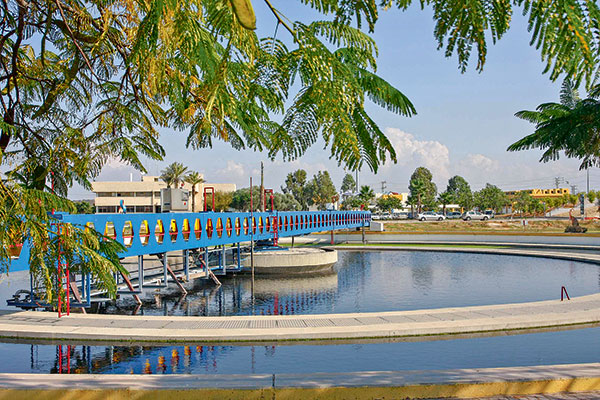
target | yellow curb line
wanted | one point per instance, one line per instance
(460, 390)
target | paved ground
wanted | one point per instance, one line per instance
(457, 383)
(558, 396)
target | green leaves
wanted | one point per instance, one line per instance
(565, 32)
(572, 127)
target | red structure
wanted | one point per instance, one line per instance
(210, 189)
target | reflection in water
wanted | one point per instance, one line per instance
(380, 281)
(563, 347)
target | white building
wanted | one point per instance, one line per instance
(144, 196)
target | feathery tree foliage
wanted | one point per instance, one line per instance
(572, 126)
(564, 32)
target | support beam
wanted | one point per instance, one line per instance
(130, 286)
(186, 264)
(176, 280)
(141, 273)
(75, 290)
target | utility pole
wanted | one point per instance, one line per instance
(587, 170)
(573, 189)
(357, 187)
(262, 187)
(557, 182)
(383, 186)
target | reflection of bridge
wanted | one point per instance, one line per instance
(201, 237)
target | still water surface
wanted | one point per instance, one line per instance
(384, 281)
(566, 347)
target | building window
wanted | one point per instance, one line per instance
(106, 209)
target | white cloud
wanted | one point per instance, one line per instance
(478, 162)
(233, 171)
(412, 152)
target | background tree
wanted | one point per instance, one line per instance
(286, 202)
(424, 192)
(84, 207)
(461, 192)
(193, 178)
(417, 191)
(241, 199)
(295, 184)
(490, 197)
(321, 190)
(348, 184)
(591, 196)
(223, 201)
(352, 203)
(366, 195)
(389, 203)
(445, 198)
(173, 174)
(522, 202)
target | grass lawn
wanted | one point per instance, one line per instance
(516, 226)
(425, 245)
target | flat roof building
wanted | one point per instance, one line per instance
(540, 193)
(143, 196)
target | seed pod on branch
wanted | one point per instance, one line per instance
(244, 13)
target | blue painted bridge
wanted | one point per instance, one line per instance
(202, 239)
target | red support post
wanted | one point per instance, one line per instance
(563, 292)
(275, 221)
(212, 190)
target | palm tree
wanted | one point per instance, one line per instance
(173, 174)
(366, 194)
(417, 191)
(572, 126)
(445, 198)
(193, 178)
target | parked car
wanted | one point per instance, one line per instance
(400, 215)
(490, 213)
(430, 216)
(454, 215)
(469, 215)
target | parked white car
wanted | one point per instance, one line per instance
(430, 216)
(469, 215)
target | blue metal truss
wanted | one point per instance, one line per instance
(159, 234)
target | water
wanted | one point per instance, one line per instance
(384, 281)
(361, 282)
(566, 347)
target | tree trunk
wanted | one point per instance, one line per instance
(9, 119)
(193, 198)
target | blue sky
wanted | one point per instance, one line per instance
(463, 126)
